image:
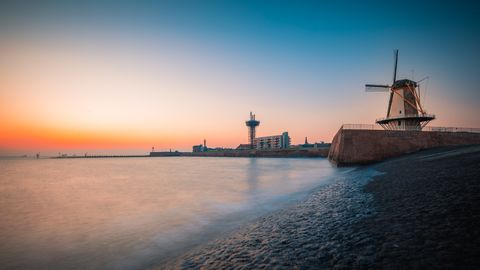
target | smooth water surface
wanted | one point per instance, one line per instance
(131, 213)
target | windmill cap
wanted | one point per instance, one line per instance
(404, 83)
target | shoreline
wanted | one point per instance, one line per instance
(273, 153)
(321, 152)
(416, 211)
(267, 241)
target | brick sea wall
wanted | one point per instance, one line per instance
(351, 147)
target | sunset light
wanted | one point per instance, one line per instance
(239, 134)
(93, 80)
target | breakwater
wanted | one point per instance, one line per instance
(103, 156)
(294, 153)
(356, 146)
(312, 152)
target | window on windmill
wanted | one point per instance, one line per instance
(400, 111)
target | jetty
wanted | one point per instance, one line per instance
(273, 153)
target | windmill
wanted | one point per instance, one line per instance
(405, 112)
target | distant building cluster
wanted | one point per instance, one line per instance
(273, 142)
(201, 147)
(307, 145)
(263, 143)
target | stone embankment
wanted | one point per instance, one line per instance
(351, 147)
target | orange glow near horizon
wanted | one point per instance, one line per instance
(64, 96)
(56, 99)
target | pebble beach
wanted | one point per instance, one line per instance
(420, 211)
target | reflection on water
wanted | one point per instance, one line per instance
(131, 213)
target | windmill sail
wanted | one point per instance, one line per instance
(376, 88)
(395, 55)
(405, 111)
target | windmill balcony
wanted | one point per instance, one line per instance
(421, 117)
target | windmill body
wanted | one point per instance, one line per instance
(404, 111)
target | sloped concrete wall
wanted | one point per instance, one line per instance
(350, 147)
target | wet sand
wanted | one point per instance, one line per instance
(421, 211)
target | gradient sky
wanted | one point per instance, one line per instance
(123, 76)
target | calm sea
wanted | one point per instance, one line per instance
(134, 212)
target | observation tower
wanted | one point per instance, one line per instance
(252, 124)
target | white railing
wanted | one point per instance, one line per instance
(438, 129)
(362, 126)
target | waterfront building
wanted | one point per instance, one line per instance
(307, 145)
(272, 142)
(197, 148)
(200, 147)
(244, 146)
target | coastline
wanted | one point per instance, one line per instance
(281, 238)
(416, 211)
(273, 153)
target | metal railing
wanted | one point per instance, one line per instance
(452, 129)
(362, 126)
(437, 129)
(432, 116)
